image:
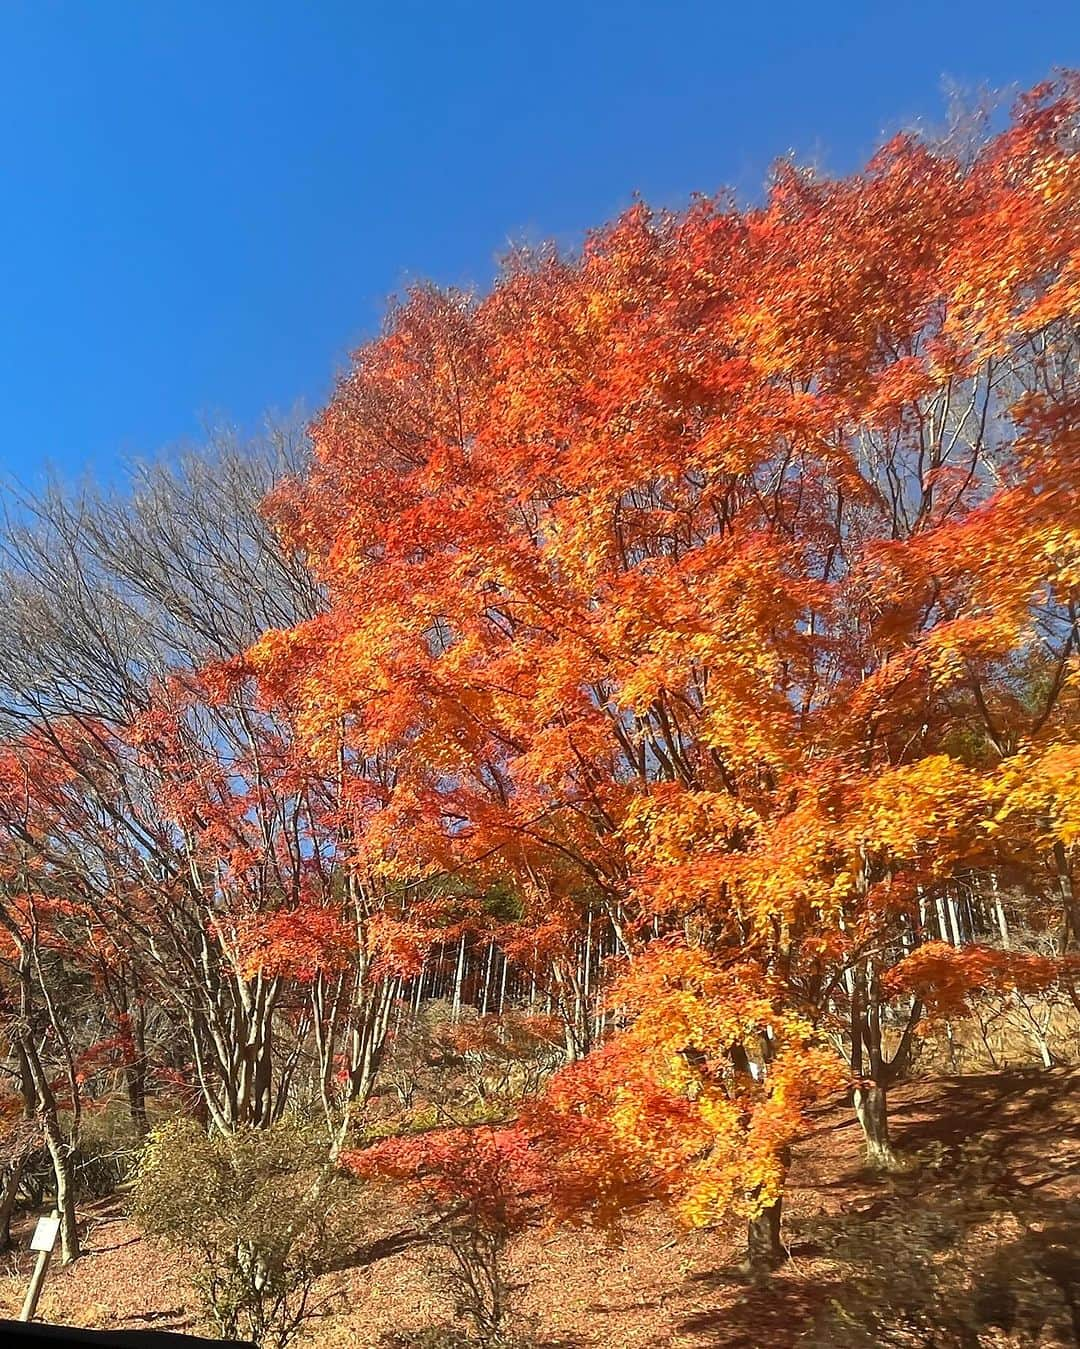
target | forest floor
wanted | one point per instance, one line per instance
(978, 1236)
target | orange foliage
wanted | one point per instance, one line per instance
(720, 581)
(721, 576)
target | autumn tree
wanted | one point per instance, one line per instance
(679, 641)
(709, 580)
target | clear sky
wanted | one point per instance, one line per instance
(206, 203)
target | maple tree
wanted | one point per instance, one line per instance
(677, 646)
(477, 1188)
(716, 577)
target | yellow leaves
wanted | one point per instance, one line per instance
(680, 845)
(710, 570)
(722, 447)
(727, 1144)
(722, 1130)
(1038, 790)
(926, 807)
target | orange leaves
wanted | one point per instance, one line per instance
(722, 578)
(1037, 793)
(297, 943)
(1025, 224)
(397, 946)
(926, 812)
(701, 505)
(704, 1090)
(680, 847)
(945, 977)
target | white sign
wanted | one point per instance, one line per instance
(45, 1234)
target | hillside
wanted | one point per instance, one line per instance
(982, 1233)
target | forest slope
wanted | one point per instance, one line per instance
(974, 1244)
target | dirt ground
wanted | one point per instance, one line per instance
(658, 1285)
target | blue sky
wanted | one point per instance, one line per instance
(207, 204)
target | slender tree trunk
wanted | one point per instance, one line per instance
(870, 1067)
(459, 976)
(65, 1198)
(135, 1062)
(952, 909)
(59, 1154)
(871, 1110)
(139, 1071)
(764, 1250)
(488, 962)
(135, 1086)
(8, 1195)
(369, 1040)
(999, 913)
(1070, 927)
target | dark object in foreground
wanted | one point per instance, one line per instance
(17, 1333)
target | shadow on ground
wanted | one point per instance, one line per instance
(976, 1242)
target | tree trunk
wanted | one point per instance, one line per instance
(763, 1247)
(459, 977)
(1070, 927)
(65, 1201)
(8, 1196)
(135, 1085)
(59, 1153)
(369, 1039)
(872, 1070)
(871, 1110)
(139, 1068)
(488, 962)
(999, 913)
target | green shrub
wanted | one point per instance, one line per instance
(261, 1214)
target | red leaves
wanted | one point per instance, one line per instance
(717, 586)
(707, 580)
(946, 977)
(108, 1054)
(297, 943)
(492, 1174)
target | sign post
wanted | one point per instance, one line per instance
(43, 1241)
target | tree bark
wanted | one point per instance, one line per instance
(135, 1086)
(764, 1250)
(59, 1153)
(871, 1110)
(999, 913)
(1070, 926)
(873, 1071)
(369, 1039)
(12, 1177)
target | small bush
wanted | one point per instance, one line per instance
(476, 1188)
(107, 1153)
(261, 1214)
